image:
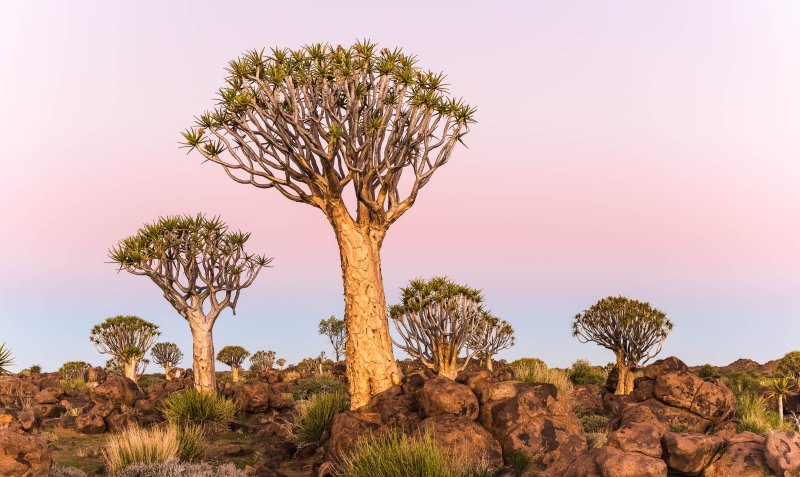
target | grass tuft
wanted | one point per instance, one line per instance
(538, 372)
(193, 408)
(140, 446)
(313, 417)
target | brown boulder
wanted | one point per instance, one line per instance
(678, 420)
(253, 397)
(663, 366)
(639, 431)
(743, 457)
(782, 452)
(347, 428)
(611, 462)
(45, 396)
(708, 399)
(442, 395)
(24, 455)
(27, 419)
(395, 408)
(470, 444)
(90, 423)
(690, 453)
(117, 390)
(588, 398)
(119, 422)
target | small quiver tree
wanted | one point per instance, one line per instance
(280, 362)
(127, 339)
(168, 356)
(437, 320)
(262, 361)
(234, 357)
(73, 371)
(633, 330)
(336, 331)
(492, 337)
(201, 267)
(789, 366)
(353, 131)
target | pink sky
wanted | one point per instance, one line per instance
(644, 149)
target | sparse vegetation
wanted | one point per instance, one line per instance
(583, 372)
(314, 416)
(754, 416)
(70, 374)
(492, 336)
(35, 369)
(308, 387)
(520, 460)
(191, 442)
(234, 357)
(789, 366)
(708, 371)
(136, 445)
(175, 468)
(193, 408)
(535, 371)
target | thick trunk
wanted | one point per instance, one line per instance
(370, 363)
(449, 372)
(129, 367)
(622, 375)
(780, 408)
(167, 370)
(235, 374)
(205, 380)
(489, 363)
(629, 378)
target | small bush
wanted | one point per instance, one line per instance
(520, 460)
(191, 441)
(582, 372)
(317, 385)
(527, 362)
(596, 440)
(175, 468)
(75, 383)
(193, 408)
(140, 446)
(536, 372)
(755, 417)
(747, 383)
(394, 454)
(708, 371)
(594, 423)
(313, 417)
(35, 369)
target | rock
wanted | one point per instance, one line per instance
(643, 389)
(253, 397)
(536, 421)
(639, 431)
(117, 390)
(90, 423)
(24, 455)
(613, 403)
(95, 376)
(395, 408)
(119, 422)
(744, 457)
(346, 428)
(588, 398)
(442, 395)
(612, 379)
(725, 430)
(611, 462)
(706, 398)
(663, 366)
(413, 382)
(471, 445)
(6, 418)
(27, 419)
(45, 411)
(45, 396)
(278, 444)
(677, 419)
(688, 453)
(782, 452)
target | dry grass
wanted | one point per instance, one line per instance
(535, 371)
(140, 446)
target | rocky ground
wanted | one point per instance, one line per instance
(675, 423)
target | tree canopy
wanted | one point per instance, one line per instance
(125, 337)
(233, 356)
(167, 354)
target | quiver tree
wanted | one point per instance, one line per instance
(233, 356)
(201, 267)
(437, 320)
(168, 356)
(262, 361)
(492, 337)
(355, 132)
(73, 370)
(127, 339)
(114, 366)
(633, 330)
(336, 331)
(280, 362)
(789, 366)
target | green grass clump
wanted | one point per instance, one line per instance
(594, 423)
(394, 454)
(754, 416)
(537, 372)
(583, 372)
(191, 441)
(313, 417)
(520, 460)
(140, 446)
(746, 383)
(192, 408)
(317, 385)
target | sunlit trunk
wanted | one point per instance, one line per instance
(235, 374)
(167, 370)
(129, 368)
(489, 363)
(205, 380)
(622, 375)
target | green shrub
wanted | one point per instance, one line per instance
(73, 370)
(193, 408)
(520, 460)
(744, 383)
(35, 369)
(313, 417)
(596, 440)
(708, 371)
(317, 385)
(140, 446)
(582, 372)
(191, 441)
(754, 416)
(594, 423)
(528, 362)
(394, 454)
(535, 371)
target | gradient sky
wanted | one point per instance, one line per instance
(649, 149)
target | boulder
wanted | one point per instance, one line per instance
(90, 423)
(95, 376)
(782, 452)
(708, 399)
(46, 396)
(743, 457)
(470, 444)
(24, 455)
(278, 443)
(347, 428)
(677, 419)
(639, 431)
(588, 398)
(413, 382)
(27, 419)
(395, 408)
(117, 390)
(663, 366)
(611, 462)
(688, 453)
(442, 395)
(253, 397)
(119, 422)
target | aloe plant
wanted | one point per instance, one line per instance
(781, 387)
(5, 359)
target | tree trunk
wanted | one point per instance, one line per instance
(370, 363)
(167, 370)
(235, 374)
(629, 381)
(622, 375)
(780, 408)
(489, 363)
(205, 380)
(129, 368)
(448, 371)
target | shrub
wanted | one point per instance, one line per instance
(596, 440)
(313, 417)
(140, 446)
(755, 417)
(174, 468)
(191, 441)
(394, 454)
(594, 423)
(708, 371)
(582, 372)
(35, 369)
(6, 359)
(533, 372)
(317, 385)
(73, 370)
(746, 383)
(527, 362)
(192, 408)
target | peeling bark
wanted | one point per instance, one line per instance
(205, 381)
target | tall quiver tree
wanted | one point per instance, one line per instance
(168, 356)
(437, 320)
(336, 331)
(201, 267)
(494, 336)
(234, 357)
(633, 330)
(354, 132)
(126, 339)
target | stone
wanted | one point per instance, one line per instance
(90, 423)
(689, 453)
(413, 382)
(395, 408)
(119, 422)
(24, 455)
(611, 462)
(470, 444)
(346, 428)
(96, 375)
(708, 399)
(253, 397)
(117, 390)
(663, 366)
(639, 431)
(677, 419)
(45, 396)
(588, 398)
(782, 452)
(442, 395)
(742, 458)
(27, 419)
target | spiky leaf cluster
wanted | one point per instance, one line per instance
(72, 370)
(262, 361)
(633, 328)
(6, 359)
(312, 120)
(233, 356)
(167, 354)
(124, 337)
(192, 259)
